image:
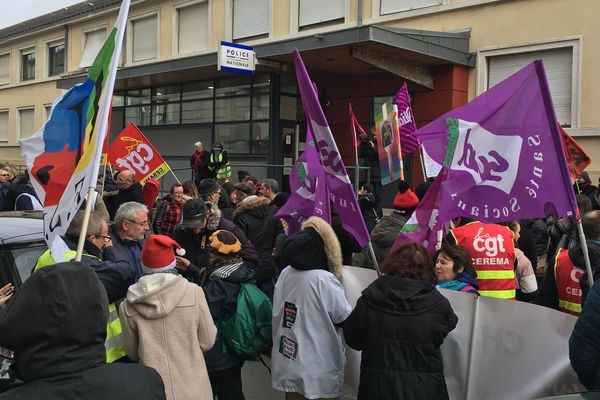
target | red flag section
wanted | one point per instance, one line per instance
(577, 158)
(355, 127)
(133, 151)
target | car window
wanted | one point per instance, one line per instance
(16, 263)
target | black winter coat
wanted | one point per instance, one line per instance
(201, 171)
(132, 193)
(400, 324)
(56, 325)
(255, 218)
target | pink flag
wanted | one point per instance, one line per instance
(424, 224)
(406, 119)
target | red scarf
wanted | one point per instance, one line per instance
(198, 158)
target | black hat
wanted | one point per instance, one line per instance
(194, 214)
(207, 187)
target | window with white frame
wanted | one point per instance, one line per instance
(313, 12)
(558, 63)
(3, 125)
(394, 6)
(4, 68)
(28, 64)
(92, 43)
(251, 18)
(26, 121)
(144, 38)
(56, 58)
(192, 28)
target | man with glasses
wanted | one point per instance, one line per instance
(4, 187)
(128, 233)
(115, 274)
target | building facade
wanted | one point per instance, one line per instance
(358, 51)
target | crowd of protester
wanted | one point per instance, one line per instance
(166, 281)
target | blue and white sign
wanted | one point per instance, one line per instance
(236, 58)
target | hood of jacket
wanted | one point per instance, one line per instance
(156, 295)
(468, 279)
(258, 207)
(316, 246)
(214, 218)
(56, 322)
(402, 296)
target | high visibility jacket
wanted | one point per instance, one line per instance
(493, 252)
(114, 346)
(566, 276)
(225, 170)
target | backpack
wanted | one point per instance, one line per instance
(248, 331)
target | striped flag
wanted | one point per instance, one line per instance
(408, 141)
(64, 156)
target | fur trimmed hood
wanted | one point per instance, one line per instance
(248, 204)
(214, 219)
(314, 247)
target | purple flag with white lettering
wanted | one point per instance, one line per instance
(408, 141)
(337, 181)
(424, 226)
(310, 195)
(504, 153)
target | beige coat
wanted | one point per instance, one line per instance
(167, 326)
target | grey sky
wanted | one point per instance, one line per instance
(13, 12)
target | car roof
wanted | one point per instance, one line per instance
(21, 226)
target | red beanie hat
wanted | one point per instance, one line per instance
(408, 199)
(158, 255)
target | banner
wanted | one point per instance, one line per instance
(577, 158)
(499, 349)
(133, 151)
(336, 178)
(63, 158)
(388, 144)
(504, 152)
(310, 195)
(408, 141)
(424, 226)
(354, 127)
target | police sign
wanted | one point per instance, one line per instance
(236, 58)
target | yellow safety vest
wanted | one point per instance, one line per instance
(225, 170)
(114, 346)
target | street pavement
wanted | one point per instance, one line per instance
(256, 382)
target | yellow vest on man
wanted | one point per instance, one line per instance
(114, 346)
(225, 170)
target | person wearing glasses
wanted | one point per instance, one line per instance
(100, 255)
(4, 187)
(128, 233)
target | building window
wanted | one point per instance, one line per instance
(394, 6)
(28, 64)
(561, 72)
(93, 41)
(145, 38)
(4, 68)
(251, 18)
(4, 126)
(56, 59)
(192, 28)
(313, 12)
(26, 121)
(47, 111)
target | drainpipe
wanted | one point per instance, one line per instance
(360, 13)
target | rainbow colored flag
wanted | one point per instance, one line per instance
(63, 158)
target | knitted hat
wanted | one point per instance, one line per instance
(207, 187)
(224, 243)
(405, 198)
(193, 214)
(158, 255)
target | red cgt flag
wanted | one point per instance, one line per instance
(355, 126)
(133, 151)
(577, 158)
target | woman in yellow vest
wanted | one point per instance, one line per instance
(218, 162)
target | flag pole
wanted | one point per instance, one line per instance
(174, 176)
(84, 226)
(584, 248)
(356, 166)
(396, 125)
(373, 258)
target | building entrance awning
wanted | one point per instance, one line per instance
(411, 54)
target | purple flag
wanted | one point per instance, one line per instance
(424, 224)
(336, 179)
(408, 141)
(504, 153)
(310, 195)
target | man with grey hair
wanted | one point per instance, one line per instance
(128, 232)
(199, 163)
(269, 188)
